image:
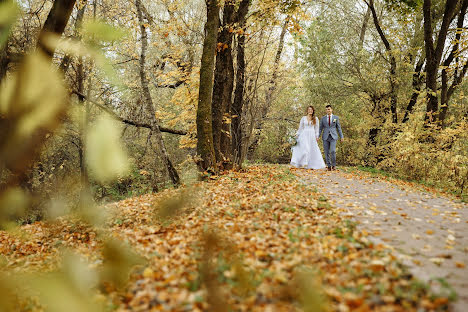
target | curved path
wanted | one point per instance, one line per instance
(428, 232)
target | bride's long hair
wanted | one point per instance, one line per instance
(313, 115)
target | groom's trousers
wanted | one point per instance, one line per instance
(329, 147)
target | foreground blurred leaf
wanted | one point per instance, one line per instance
(105, 155)
(310, 292)
(119, 260)
(94, 51)
(32, 100)
(6, 298)
(8, 12)
(173, 205)
(67, 290)
(13, 203)
(98, 30)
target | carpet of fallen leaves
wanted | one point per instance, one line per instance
(256, 240)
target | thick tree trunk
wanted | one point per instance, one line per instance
(222, 89)
(205, 149)
(55, 23)
(174, 176)
(237, 106)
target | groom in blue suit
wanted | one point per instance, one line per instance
(330, 124)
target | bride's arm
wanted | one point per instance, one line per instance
(317, 127)
(301, 126)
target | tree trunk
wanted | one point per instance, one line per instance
(4, 61)
(174, 176)
(80, 78)
(434, 54)
(445, 95)
(418, 80)
(65, 63)
(418, 75)
(237, 106)
(362, 35)
(393, 65)
(4, 55)
(222, 89)
(271, 90)
(205, 149)
(55, 23)
(457, 80)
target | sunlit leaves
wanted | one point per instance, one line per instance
(105, 155)
(413, 4)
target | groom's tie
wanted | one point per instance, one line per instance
(329, 121)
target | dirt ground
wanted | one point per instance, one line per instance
(428, 231)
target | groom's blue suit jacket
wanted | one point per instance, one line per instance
(334, 129)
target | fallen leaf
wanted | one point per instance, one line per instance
(460, 265)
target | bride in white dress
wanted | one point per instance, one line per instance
(306, 153)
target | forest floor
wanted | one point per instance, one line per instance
(264, 239)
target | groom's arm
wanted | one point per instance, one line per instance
(338, 126)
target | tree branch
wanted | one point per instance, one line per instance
(128, 121)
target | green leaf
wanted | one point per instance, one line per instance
(32, 100)
(8, 12)
(70, 289)
(105, 155)
(100, 31)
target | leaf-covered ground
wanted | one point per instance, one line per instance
(258, 240)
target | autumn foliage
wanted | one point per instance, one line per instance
(251, 240)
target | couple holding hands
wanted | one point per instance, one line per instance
(306, 153)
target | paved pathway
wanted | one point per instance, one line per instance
(429, 232)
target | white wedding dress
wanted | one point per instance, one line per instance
(306, 153)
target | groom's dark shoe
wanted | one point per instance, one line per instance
(333, 168)
(329, 168)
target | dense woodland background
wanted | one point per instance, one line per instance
(152, 76)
